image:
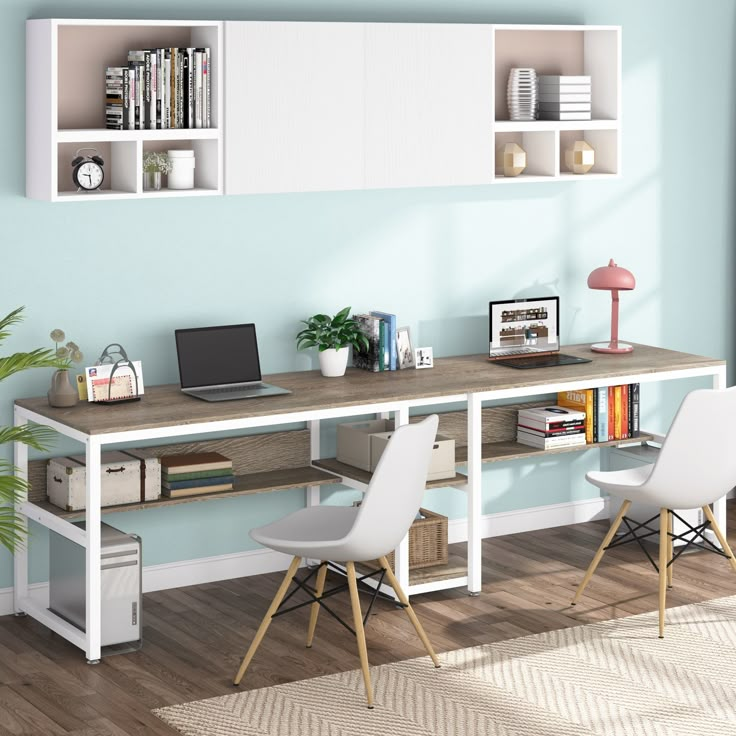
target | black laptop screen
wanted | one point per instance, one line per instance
(212, 356)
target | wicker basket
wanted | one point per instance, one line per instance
(427, 541)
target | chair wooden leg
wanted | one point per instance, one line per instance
(671, 565)
(359, 631)
(314, 608)
(394, 583)
(601, 550)
(663, 548)
(719, 535)
(275, 603)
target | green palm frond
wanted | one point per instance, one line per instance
(10, 484)
(33, 435)
(12, 319)
(12, 532)
(39, 358)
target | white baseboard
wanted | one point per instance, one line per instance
(255, 562)
(529, 520)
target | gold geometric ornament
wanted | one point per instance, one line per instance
(580, 159)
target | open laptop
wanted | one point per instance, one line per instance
(525, 333)
(221, 363)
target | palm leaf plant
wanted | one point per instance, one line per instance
(325, 332)
(12, 488)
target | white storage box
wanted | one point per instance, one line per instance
(126, 477)
(354, 441)
(442, 464)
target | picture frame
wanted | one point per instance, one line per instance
(424, 358)
(404, 350)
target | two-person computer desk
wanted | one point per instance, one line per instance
(481, 414)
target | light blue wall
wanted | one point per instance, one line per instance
(433, 256)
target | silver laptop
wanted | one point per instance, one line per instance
(221, 363)
(525, 333)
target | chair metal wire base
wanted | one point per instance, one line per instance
(689, 537)
(302, 585)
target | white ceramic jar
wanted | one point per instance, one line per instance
(181, 175)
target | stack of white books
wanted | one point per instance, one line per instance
(564, 97)
(551, 427)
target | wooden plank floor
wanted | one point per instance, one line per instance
(194, 637)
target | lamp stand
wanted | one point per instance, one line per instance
(614, 346)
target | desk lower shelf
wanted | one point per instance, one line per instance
(492, 452)
(244, 485)
(364, 476)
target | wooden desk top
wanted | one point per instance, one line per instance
(163, 406)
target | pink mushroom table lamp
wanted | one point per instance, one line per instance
(612, 278)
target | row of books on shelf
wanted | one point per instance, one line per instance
(160, 89)
(602, 414)
(382, 352)
(195, 473)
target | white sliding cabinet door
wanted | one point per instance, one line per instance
(294, 106)
(429, 104)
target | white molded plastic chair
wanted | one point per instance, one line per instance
(356, 534)
(695, 467)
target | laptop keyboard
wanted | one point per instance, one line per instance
(228, 390)
(515, 351)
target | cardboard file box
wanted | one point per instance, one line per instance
(442, 464)
(354, 441)
(127, 477)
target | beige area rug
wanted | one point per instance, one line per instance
(612, 678)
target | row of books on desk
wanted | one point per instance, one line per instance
(602, 414)
(382, 351)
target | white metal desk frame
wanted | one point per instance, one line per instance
(90, 640)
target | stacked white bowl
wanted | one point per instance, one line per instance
(521, 94)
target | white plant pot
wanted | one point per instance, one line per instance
(333, 362)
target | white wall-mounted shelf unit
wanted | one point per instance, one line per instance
(408, 104)
(65, 107)
(561, 50)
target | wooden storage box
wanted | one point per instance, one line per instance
(354, 441)
(442, 464)
(427, 541)
(127, 477)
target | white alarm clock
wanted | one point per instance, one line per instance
(87, 172)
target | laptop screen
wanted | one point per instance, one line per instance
(524, 323)
(213, 356)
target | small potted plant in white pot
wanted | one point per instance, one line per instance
(332, 336)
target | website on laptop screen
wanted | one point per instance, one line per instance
(531, 324)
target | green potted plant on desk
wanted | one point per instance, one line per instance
(332, 336)
(13, 488)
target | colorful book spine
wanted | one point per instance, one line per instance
(611, 412)
(390, 320)
(634, 413)
(617, 412)
(625, 411)
(175, 485)
(602, 419)
(590, 419)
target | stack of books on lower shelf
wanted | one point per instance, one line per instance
(195, 473)
(551, 427)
